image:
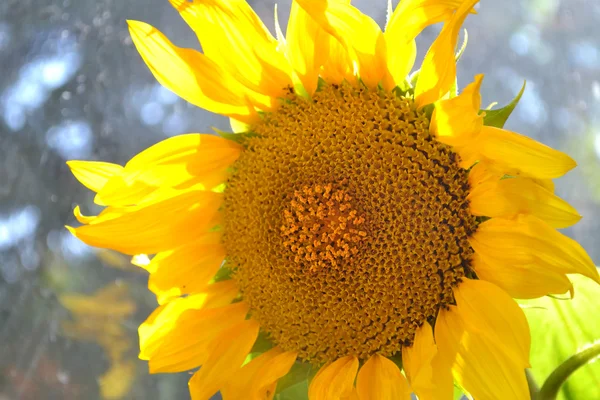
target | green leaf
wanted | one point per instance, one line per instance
(552, 386)
(497, 118)
(559, 329)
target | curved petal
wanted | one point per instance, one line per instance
(509, 197)
(189, 342)
(189, 159)
(478, 364)
(227, 354)
(438, 71)
(164, 318)
(522, 281)
(412, 16)
(417, 361)
(187, 269)
(234, 37)
(483, 172)
(337, 65)
(427, 370)
(527, 240)
(334, 381)
(190, 74)
(487, 309)
(361, 36)
(257, 380)
(93, 174)
(406, 22)
(381, 379)
(155, 227)
(519, 155)
(307, 47)
(457, 121)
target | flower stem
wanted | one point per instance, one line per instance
(555, 380)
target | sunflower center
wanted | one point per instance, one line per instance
(321, 227)
(346, 223)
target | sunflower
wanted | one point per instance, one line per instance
(371, 224)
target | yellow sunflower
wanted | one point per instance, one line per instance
(357, 220)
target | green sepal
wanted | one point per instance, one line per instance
(223, 274)
(413, 78)
(301, 92)
(397, 359)
(321, 83)
(262, 344)
(404, 91)
(497, 118)
(294, 385)
(454, 88)
(428, 110)
(234, 137)
(463, 47)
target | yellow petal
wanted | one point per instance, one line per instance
(93, 174)
(522, 281)
(509, 197)
(188, 344)
(187, 269)
(479, 365)
(155, 227)
(190, 74)
(417, 360)
(381, 379)
(438, 71)
(164, 318)
(548, 184)
(519, 155)
(457, 121)
(234, 37)
(406, 22)
(307, 47)
(412, 16)
(184, 159)
(400, 58)
(334, 381)
(427, 371)
(83, 219)
(337, 66)
(227, 355)
(257, 380)
(487, 309)
(483, 172)
(359, 34)
(527, 240)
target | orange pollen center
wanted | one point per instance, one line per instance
(322, 227)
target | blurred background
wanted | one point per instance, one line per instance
(72, 86)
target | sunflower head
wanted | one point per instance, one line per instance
(362, 219)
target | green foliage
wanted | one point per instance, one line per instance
(559, 329)
(498, 117)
